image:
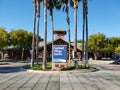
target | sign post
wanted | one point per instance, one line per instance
(59, 57)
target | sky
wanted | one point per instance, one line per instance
(103, 16)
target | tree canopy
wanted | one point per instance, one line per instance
(3, 38)
(100, 43)
(18, 38)
(117, 49)
(21, 38)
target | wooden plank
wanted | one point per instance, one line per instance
(75, 82)
(11, 81)
(8, 77)
(96, 81)
(25, 78)
(85, 82)
(32, 81)
(54, 83)
(43, 82)
(64, 82)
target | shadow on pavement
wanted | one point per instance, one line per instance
(8, 69)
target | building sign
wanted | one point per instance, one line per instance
(59, 53)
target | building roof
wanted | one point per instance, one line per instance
(41, 44)
(59, 31)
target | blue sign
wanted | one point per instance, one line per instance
(59, 53)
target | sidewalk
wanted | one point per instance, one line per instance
(10, 63)
(107, 64)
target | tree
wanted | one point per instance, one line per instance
(79, 41)
(117, 49)
(115, 41)
(85, 26)
(50, 6)
(37, 31)
(106, 48)
(65, 3)
(45, 35)
(3, 40)
(75, 27)
(21, 39)
(34, 30)
(95, 43)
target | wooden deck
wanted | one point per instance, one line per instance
(100, 80)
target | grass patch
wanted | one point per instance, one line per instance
(70, 66)
(37, 66)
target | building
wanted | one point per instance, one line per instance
(16, 53)
(58, 40)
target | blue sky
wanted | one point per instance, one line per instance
(103, 16)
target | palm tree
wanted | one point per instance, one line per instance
(45, 35)
(86, 8)
(33, 39)
(85, 24)
(83, 32)
(65, 6)
(65, 3)
(50, 7)
(68, 22)
(37, 31)
(75, 27)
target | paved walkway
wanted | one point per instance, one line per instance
(106, 64)
(104, 79)
(100, 80)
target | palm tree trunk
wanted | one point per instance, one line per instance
(37, 31)
(69, 42)
(68, 22)
(83, 32)
(75, 30)
(37, 42)
(33, 39)
(52, 30)
(45, 35)
(86, 58)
